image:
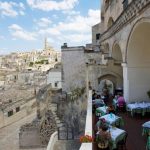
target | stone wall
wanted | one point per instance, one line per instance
(73, 63)
(25, 109)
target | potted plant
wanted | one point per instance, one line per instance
(86, 139)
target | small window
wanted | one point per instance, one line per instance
(17, 109)
(125, 4)
(98, 36)
(56, 84)
(10, 113)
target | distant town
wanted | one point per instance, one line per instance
(21, 76)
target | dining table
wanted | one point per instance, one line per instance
(132, 107)
(98, 103)
(113, 119)
(116, 136)
(101, 111)
(146, 128)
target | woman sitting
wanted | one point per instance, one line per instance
(121, 101)
(104, 138)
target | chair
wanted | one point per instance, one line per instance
(148, 143)
(121, 107)
(118, 124)
(138, 111)
(103, 145)
(121, 145)
(148, 109)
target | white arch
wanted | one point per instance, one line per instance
(138, 61)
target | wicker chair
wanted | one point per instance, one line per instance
(121, 145)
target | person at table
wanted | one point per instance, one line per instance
(104, 138)
(94, 95)
(120, 101)
(110, 109)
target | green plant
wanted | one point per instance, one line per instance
(42, 61)
(76, 93)
(31, 64)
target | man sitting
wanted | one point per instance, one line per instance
(104, 138)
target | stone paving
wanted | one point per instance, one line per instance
(9, 137)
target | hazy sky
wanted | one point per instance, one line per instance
(25, 23)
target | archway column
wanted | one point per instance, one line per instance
(125, 82)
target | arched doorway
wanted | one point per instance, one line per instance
(117, 67)
(109, 80)
(116, 54)
(138, 62)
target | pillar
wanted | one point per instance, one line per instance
(125, 82)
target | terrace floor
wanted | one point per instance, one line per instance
(133, 126)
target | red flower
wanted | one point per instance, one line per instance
(86, 139)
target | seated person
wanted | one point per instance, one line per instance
(98, 97)
(94, 95)
(110, 109)
(103, 138)
(120, 101)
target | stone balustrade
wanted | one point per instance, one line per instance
(134, 8)
(88, 125)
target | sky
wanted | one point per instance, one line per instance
(24, 24)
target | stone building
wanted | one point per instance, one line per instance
(54, 76)
(73, 67)
(119, 54)
(16, 103)
(124, 37)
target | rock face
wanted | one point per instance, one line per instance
(48, 127)
(37, 133)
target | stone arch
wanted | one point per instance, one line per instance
(110, 22)
(109, 78)
(116, 53)
(138, 60)
(106, 48)
(139, 21)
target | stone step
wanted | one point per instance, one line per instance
(59, 124)
(53, 109)
(57, 118)
(58, 121)
(53, 105)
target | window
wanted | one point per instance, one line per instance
(17, 109)
(10, 113)
(125, 4)
(56, 84)
(97, 36)
(110, 22)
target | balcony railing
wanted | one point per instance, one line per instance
(88, 125)
(135, 7)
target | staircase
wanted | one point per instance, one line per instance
(53, 108)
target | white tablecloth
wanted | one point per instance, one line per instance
(115, 133)
(142, 105)
(103, 109)
(146, 124)
(110, 118)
